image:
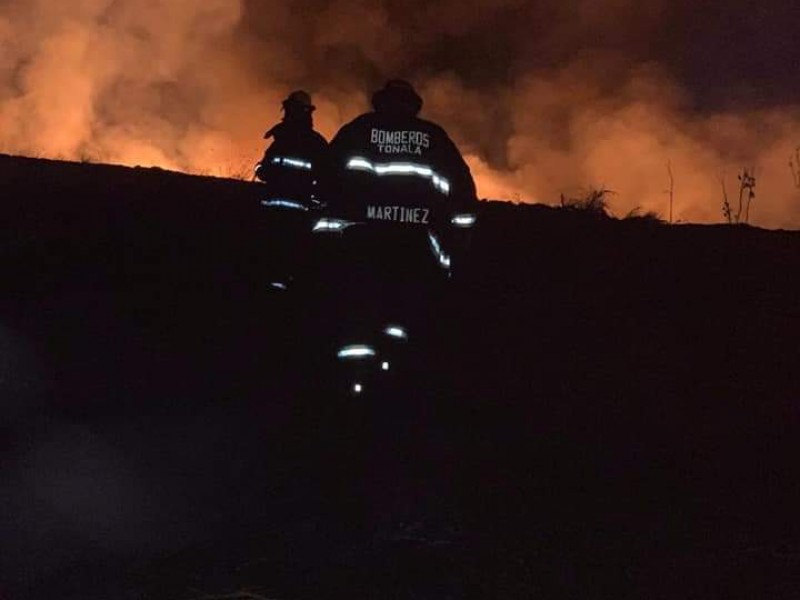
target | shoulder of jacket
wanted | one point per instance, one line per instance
(319, 137)
(364, 120)
(350, 128)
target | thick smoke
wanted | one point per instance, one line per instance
(145, 82)
(545, 98)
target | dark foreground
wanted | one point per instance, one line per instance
(607, 409)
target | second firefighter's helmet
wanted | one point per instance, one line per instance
(298, 100)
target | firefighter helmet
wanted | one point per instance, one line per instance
(397, 94)
(299, 99)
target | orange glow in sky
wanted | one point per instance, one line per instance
(175, 84)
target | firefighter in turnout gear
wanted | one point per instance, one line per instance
(394, 167)
(401, 195)
(295, 164)
(294, 169)
(400, 205)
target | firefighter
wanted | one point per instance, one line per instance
(294, 171)
(295, 164)
(392, 166)
(401, 196)
(400, 186)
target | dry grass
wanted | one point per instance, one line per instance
(650, 216)
(595, 202)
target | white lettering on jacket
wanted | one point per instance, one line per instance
(399, 214)
(400, 142)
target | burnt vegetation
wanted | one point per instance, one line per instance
(594, 202)
(604, 408)
(747, 193)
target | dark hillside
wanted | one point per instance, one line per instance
(81, 214)
(611, 409)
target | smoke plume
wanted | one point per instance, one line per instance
(544, 98)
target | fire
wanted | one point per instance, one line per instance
(191, 86)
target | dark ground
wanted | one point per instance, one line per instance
(610, 409)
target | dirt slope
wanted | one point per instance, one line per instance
(611, 410)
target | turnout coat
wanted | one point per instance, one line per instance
(398, 169)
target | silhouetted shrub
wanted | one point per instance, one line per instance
(637, 215)
(595, 202)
